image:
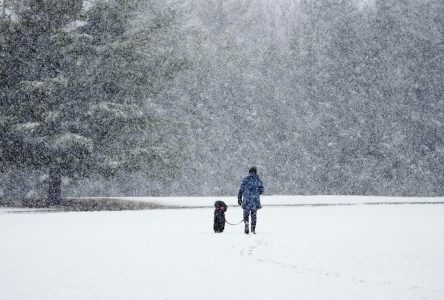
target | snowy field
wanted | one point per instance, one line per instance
(287, 200)
(301, 252)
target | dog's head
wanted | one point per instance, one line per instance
(220, 205)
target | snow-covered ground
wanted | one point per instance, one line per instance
(303, 252)
(286, 200)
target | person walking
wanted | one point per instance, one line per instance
(248, 197)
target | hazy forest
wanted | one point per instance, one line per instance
(157, 97)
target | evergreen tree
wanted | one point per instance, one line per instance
(75, 85)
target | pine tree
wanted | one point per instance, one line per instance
(75, 85)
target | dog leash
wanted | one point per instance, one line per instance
(234, 224)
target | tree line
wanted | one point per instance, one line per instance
(180, 98)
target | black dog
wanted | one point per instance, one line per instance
(219, 216)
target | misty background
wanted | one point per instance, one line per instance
(324, 97)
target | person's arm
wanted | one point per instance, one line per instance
(239, 195)
(261, 187)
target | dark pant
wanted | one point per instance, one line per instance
(247, 213)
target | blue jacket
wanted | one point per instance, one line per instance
(249, 192)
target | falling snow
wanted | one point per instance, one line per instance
(325, 97)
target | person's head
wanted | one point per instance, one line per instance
(253, 170)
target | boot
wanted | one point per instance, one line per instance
(247, 231)
(253, 229)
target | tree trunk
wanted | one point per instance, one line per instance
(55, 186)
